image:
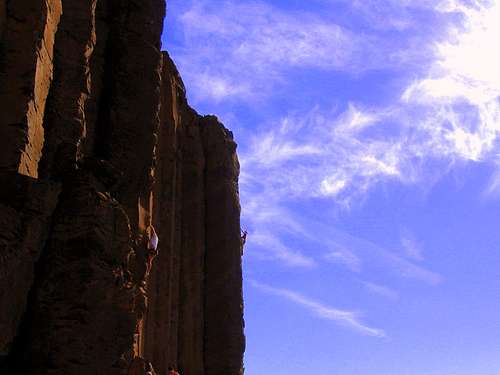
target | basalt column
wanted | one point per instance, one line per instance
(27, 34)
(200, 257)
(3, 17)
(224, 340)
(184, 256)
(27, 70)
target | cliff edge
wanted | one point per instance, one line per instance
(97, 146)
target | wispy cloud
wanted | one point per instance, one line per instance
(322, 154)
(397, 15)
(370, 255)
(349, 319)
(269, 225)
(346, 258)
(269, 246)
(381, 290)
(411, 246)
(493, 188)
(272, 225)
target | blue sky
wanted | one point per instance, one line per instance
(368, 135)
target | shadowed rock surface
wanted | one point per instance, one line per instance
(97, 143)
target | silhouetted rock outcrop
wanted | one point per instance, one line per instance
(97, 143)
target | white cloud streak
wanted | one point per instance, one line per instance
(369, 255)
(411, 246)
(381, 290)
(346, 258)
(396, 15)
(493, 188)
(269, 224)
(269, 246)
(322, 155)
(345, 318)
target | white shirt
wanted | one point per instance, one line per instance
(153, 242)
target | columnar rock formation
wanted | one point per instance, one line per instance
(97, 143)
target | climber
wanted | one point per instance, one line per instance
(171, 371)
(152, 247)
(244, 235)
(149, 369)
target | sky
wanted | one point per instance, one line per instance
(368, 134)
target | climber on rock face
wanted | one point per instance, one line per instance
(171, 371)
(153, 238)
(152, 246)
(244, 235)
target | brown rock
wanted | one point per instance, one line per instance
(25, 209)
(65, 123)
(3, 17)
(161, 344)
(26, 78)
(97, 142)
(198, 204)
(81, 317)
(224, 340)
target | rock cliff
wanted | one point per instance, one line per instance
(98, 143)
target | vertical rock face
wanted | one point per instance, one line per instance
(27, 71)
(98, 143)
(198, 211)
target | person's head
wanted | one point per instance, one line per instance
(171, 368)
